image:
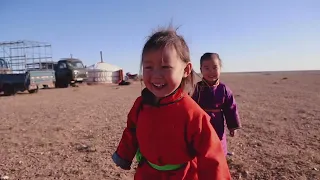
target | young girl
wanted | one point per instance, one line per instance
(170, 134)
(216, 98)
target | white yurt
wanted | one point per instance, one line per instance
(103, 72)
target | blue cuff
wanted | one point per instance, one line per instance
(122, 163)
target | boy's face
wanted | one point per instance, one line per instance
(210, 69)
(163, 71)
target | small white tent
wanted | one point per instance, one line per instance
(102, 72)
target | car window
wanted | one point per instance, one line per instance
(63, 66)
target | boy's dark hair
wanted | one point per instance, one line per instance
(166, 37)
(210, 56)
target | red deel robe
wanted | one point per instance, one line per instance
(173, 131)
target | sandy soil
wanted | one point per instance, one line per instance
(70, 133)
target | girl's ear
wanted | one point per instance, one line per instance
(187, 70)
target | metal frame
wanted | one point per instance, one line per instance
(19, 54)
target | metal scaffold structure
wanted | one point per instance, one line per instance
(23, 55)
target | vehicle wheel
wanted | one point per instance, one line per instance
(9, 90)
(57, 84)
(65, 84)
(33, 90)
(61, 84)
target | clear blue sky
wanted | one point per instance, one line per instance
(249, 35)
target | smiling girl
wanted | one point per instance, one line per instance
(168, 132)
(216, 98)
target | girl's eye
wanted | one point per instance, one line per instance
(147, 67)
(166, 67)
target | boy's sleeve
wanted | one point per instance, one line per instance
(230, 110)
(128, 145)
(212, 163)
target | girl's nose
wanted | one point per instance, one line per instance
(157, 73)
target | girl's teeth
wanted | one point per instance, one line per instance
(158, 85)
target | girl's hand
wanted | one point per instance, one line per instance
(233, 132)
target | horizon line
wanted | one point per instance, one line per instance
(269, 71)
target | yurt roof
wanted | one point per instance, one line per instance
(105, 66)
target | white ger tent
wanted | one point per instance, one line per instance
(102, 72)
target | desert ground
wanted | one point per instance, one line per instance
(71, 133)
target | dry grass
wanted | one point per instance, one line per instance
(71, 133)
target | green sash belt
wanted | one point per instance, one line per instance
(168, 167)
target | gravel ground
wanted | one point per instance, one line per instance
(70, 133)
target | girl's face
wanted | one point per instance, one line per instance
(210, 69)
(163, 71)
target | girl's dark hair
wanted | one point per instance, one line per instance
(210, 56)
(168, 37)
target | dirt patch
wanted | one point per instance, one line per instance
(70, 133)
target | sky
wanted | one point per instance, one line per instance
(249, 35)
